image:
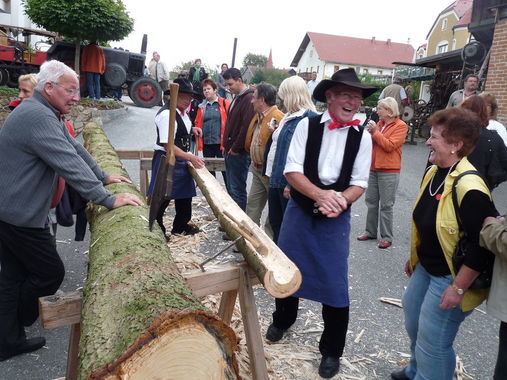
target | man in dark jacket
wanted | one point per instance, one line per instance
(236, 157)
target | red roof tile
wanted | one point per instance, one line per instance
(359, 51)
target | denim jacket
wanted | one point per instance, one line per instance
(277, 179)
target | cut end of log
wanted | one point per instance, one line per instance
(282, 286)
(178, 346)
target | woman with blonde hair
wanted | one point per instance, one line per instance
(26, 85)
(492, 107)
(298, 105)
(388, 137)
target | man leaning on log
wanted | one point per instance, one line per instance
(36, 148)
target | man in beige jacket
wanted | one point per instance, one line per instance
(494, 238)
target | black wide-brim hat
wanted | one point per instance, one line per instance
(185, 87)
(347, 77)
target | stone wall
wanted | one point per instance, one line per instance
(80, 115)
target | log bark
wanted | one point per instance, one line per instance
(140, 320)
(279, 275)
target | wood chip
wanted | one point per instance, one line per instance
(358, 337)
(391, 301)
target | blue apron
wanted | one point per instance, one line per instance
(320, 249)
(183, 183)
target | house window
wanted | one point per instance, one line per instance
(311, 53)
(442, 47)
(336, 68)
(365, 71)
(311, 69)
(453, 44)
(317, 69)
(380, 72)
(444, 24)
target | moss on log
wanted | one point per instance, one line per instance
(134, 296)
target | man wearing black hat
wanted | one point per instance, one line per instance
(183, 183)
(328, 165)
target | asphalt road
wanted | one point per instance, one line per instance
(374, 273)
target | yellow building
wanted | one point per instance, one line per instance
(450, 29)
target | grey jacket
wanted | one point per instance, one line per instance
(36, 148)
(494, 238)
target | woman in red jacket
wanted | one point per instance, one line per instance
(388, 137)
(211, 117)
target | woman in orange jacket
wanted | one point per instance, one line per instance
(211, 117)
(388, 137)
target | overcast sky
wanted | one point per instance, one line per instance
(184, 30)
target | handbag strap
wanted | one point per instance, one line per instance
(455, 195)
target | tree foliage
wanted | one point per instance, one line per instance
(104, 20)
(257, 60)
(372, 100)
(272, 76)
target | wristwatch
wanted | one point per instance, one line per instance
(457, 290)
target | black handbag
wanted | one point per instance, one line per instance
(483, 281)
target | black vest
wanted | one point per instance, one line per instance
(182, 138)
(311, 164)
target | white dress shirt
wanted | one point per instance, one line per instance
(331, 153)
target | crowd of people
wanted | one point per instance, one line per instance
(309, 168)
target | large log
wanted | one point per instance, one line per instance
(140, 320)
(279, 275)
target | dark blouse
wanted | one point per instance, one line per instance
(474, 207)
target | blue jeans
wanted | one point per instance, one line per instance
(236, 170)
(93, 85)
(431, 330)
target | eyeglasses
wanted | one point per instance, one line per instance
(69, 91)
(347, 96)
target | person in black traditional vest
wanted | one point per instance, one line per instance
(183, 183)
(327, 166)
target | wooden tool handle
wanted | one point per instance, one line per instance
(173, 100)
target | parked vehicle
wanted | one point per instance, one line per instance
(124, 69)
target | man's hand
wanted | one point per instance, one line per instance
(197, 161)
(500, 219)
(114, 178)
(124, 199)
(331, 204)
(286, 192)
(197, 132)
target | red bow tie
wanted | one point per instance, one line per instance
(337, 124)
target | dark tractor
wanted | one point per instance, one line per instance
(124, 69)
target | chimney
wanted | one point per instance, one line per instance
(388, 42)
(373, 40)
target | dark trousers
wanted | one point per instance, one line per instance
(501, 361)
(336, 322)
(183, 209)
(236, 169)
(213, 150)
(277, 204)
(30, 268)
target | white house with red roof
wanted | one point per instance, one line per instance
(327, 53)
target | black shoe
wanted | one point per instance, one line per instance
(399, 375)
(274, 334)
(329, 366)
(225, 237)
(221, 229)
(25, 346)
(190, 229)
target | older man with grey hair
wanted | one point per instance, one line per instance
(36, 148)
